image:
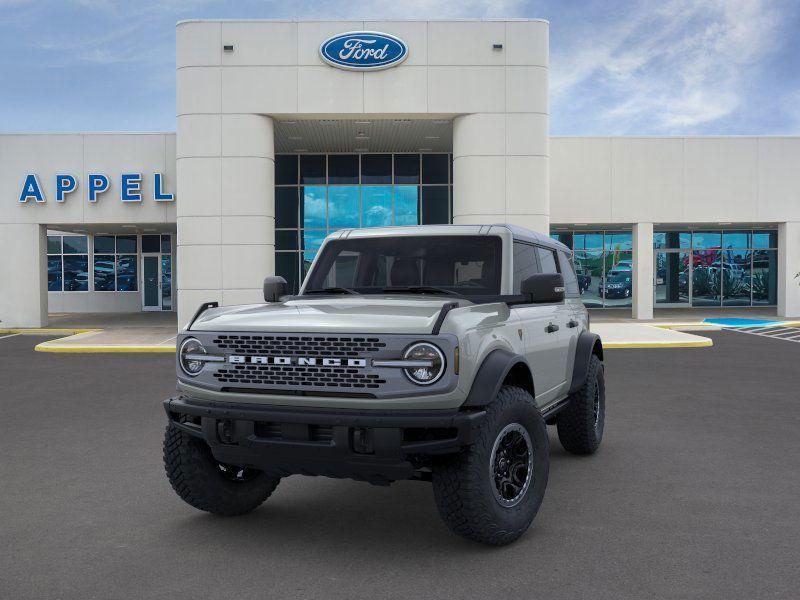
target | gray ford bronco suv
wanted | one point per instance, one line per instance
(436, 353)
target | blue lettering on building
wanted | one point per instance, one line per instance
(130, 187)
(65, 184)
(158, 195)
(363, 50)
(97, 184)
(31, 190)
(130, 190)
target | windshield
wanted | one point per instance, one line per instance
(463, 265)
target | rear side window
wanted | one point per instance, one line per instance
(570, 278)
(547, 260)
(525, 264)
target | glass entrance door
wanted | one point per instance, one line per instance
(151, 279)
(673, 279)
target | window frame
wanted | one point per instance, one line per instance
(61, 255)
(283, 196)
(116, 255)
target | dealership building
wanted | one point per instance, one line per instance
(288, 131)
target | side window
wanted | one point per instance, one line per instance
(547, 259)
(525, 264)
(570, 278)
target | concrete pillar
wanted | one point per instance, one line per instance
(226, 222)
(23, 271)
(788, 267)
(642, 271)
(501, 169)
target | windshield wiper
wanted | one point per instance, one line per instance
(420, 289)
(331, 290)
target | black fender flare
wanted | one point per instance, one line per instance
(588, 344)
(490, 376)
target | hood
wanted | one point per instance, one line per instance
(346, 314)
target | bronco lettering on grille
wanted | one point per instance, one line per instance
(300, 361)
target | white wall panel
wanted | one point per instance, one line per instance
(259, 90)
(259, 43)
(198, 44)
(466, 42)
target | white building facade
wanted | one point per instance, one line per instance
(278, 145)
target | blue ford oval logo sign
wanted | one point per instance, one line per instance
(363, 50)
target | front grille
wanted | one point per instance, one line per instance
(278, 376)
(296, 345)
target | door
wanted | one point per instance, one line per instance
(544, 349)
(672, 272)
(151, 282)
(544, 326)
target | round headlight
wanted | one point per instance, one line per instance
(189, 347)
(423, 351)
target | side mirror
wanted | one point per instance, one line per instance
(274, 288)
(544, 288)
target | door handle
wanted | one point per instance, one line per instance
(572, 323)
(551, 328)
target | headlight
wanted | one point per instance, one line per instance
(427, 353)
(190, 348)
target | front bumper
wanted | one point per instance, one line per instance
(376, 446)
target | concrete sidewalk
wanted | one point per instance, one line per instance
(106, 332)
(156, 332)
(643, 335)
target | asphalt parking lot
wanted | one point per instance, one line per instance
(694, 494)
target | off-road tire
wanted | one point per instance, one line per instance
(580, 430)
(201, 482)
(463, 483)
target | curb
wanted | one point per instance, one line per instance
(46, 331)
(704, 343)
(44, 347)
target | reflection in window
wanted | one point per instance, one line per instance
(547, 260)
(313, 208)
(126, 273)
(76, 273)
(672, 278)
(376, 205)
(707, 239)
(104, 273)
(115, 269)
(765, 277)
(55, 279)
(706, 278)
(67, 263)
(735, 270)
(718, 268)
(589, 268)
(343, 206)
(525, 264)
(406, 210)
(166, 282)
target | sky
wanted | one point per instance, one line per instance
(669, 67)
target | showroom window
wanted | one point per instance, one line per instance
(67, 263)
(603, 264)
(316, 194)
(716, 267)
(115, 263)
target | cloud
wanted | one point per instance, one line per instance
(674, 68)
